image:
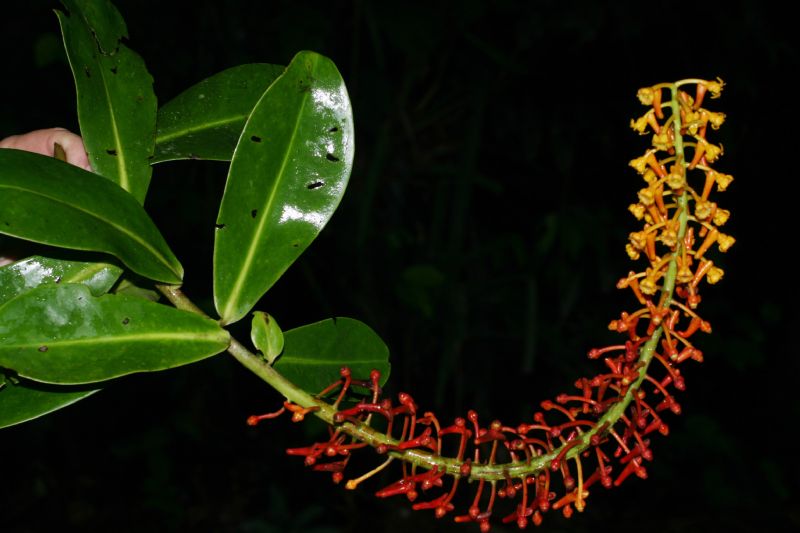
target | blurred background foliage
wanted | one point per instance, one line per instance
(481, 236)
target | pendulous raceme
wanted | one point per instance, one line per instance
(599, 434)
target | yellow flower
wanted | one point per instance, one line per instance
(685, 274)
(723, 180)
(725, 242)
(661, 141)
(637, 210)
(650, 176)
(714, 274)
(638, 240)
(721, 216)
(646, 196)
(716, 119)
(703, 210)
(632, 252)
(676, 181)
(640, 124)
(669, 237)
(713, 152)
(714, 87)
(646, 95)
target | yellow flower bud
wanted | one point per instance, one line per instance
(646, 197)
(685, 274)
(714, 274)
(716, 119)
(640, 163)
(721, 216)
(723, 180)
(632, 252)
(713, 152)
(714, 87)
(640, 124)
(646, 95)
(725, 242)
(648, 285)
(638, 239)
(669, 237)
(661, 141)
(637, 210)
(676, 181)
(703, 210)
(650, 176)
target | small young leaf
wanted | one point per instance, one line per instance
(28, 400)
(287, 176)
(206, 120)
(314, 354)
(116, 103)
(62, 334)
(29, 273)
(50, 202)
(266, 336)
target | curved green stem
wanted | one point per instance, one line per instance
(425, 459)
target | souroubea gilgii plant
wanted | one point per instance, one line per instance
(69, 323)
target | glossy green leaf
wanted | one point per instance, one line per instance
(28, 400)
(287, 176)
(266, 335)
(62, 334)
(314, 354)
(29, 273)
(206, 120)
(129, 288)
(116, 103)
(51, 202)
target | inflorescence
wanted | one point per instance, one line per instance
(600, 433)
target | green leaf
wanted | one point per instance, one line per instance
(266, 336)
(206, 120)
(29, 273)
(287, 176)
(62, 334)
(28, 400)
(314, 354)
(116, 103)
(51, 202)
(129, 288)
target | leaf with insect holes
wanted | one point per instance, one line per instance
(62, 334)
(286, 178)
(313, 354)
(116, 103)
(50, 202)
(206, 120)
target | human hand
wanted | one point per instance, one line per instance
(44, 141)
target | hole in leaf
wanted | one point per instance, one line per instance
(315, 185)
(58, 279)
(255, 139)
(42, 348)
(253, 213)
(333, 129)
(295, 245)
(331, 157)
(126, 321)
(219, 226)
(113, 70)
(111, 151)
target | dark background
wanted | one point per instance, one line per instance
(481, 236)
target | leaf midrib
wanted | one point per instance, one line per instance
(132, 338)
(202, 127)
(96, 216)
(248, 260)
